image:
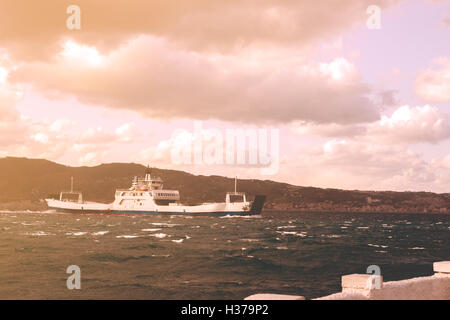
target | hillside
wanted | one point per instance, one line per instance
(23, 182)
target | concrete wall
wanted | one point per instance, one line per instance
(371, 287)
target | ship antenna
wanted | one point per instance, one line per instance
(235, 184)
(71, 184)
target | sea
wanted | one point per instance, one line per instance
(184, 257)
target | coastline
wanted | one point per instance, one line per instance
(40, 205)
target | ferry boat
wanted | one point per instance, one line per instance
(147, 196)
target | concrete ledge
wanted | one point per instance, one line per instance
(270, 296)
(442, 267)
(361, 282)
(364, 287)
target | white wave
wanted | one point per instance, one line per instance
(243, 216)
(159, 235)
(417, 248)
(164, 224)
(282, 248)
(178, 241)
(285, 227)
(152, 229)
(377, 245)
(127, 236)
(99, 233)
(293, 233)
(287, 232)
(39, 233)
(75, 233)
(26, 211)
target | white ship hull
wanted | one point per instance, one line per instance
(205, 209)
(69, 206)
(213, 208)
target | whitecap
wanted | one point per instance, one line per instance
(287, 232)
(241, 216)
(378, 245)
(99, 233)
(285, 227)
(152, 229)
(178, 241)
(127, 236)
(75, 233)
(159, 235)
(38, 233)
(164, 224)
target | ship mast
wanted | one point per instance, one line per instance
(235, 184)
(147, 174)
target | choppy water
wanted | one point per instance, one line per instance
(157, 257)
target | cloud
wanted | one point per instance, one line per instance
(406, 125)
(158, 79)
(34, 29)
(9, 94)
(328, 130)
(434, 84)
(413, 125)
(365, 165)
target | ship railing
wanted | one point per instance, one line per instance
(236, 193)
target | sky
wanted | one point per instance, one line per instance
(337, 94)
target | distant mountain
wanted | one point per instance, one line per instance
(23, 182)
